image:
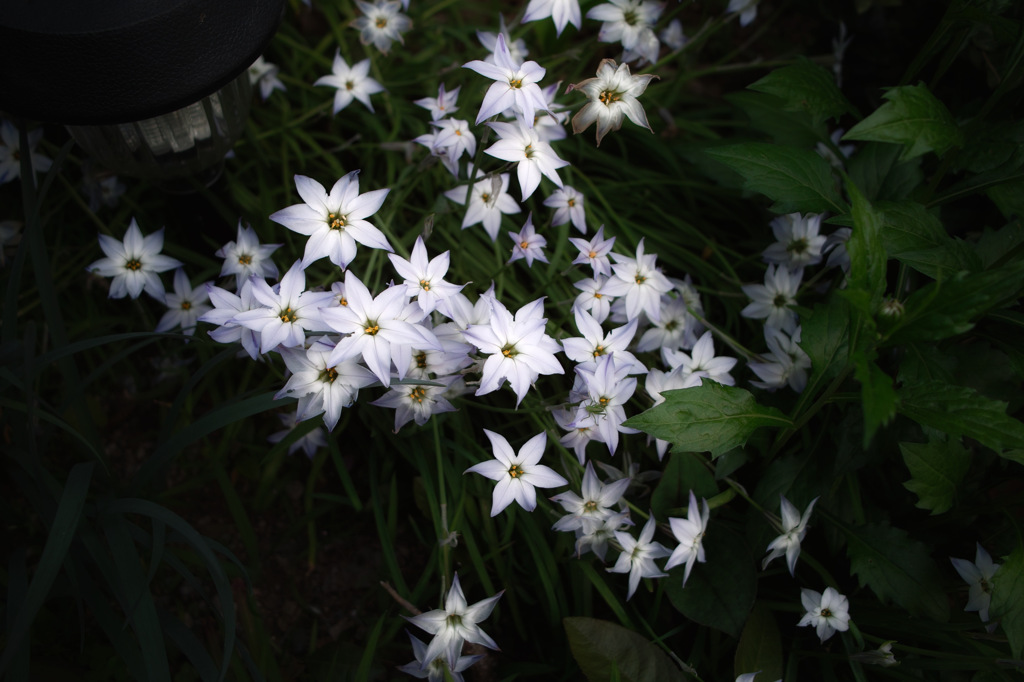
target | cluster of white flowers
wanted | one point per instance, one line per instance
(426, 342)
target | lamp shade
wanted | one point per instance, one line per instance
(100, 62)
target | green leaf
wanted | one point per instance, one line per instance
(796, 179)
(913, 117)
(766, 114)
(1007, 604)
(760, 645)
(916, 237)
(684, 472)
(709, 417)
(877, 395)
(961, 411)
(600, 648)
(825, 337)
(805, 86)
(949, 307)
(875, 169)
(897, 569)
(995, 246)
(867, 254)
(720, 592)
(936, 469)
(62, 532)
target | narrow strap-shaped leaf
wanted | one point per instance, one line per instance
(202, 546)
(189, 645)
(62, 532)
(136, 597)
(17, 583)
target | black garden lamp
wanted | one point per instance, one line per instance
(156, 89)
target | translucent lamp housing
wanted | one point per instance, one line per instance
(188, 142)
(152, 88)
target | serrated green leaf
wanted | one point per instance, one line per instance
(825, 337)
(877, 395)
(709, 417)
(996, 246)
(1007, 605)
(683, 472)
(916, 237)
(949, 307)
(897, 569)
(760, 645)
(720, 592)
(766, 114)
(961, 411)
(867, 253)
(912, 117)
(880, 175)
(805, 86)
(600, 648)
(796, 179)
(936, 469)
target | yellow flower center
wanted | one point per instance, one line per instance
(329, 375)
(186, 305)
(515, 471)
(337, 222)
(133, 265)
(245, 259)
(516, 83)
(372, 329)
(425, 285)
(288, 316)
(418, 393)
(381, 22)
(608, 97)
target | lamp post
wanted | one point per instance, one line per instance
(156, 89)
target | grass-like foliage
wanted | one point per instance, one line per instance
(609, 340)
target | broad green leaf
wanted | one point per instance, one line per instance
(825, 337)
(1009, 199)
(1007, 604)
(805, 86)
(924, 362)
(867, 254)
(961, 411)
(916, 237)
(766, 114)
(709, 417)
(720, 592)
(949, 307)
(684, 472)
(880, 175)
(995, 246)
(897, 569)
(936, 469)
(877, 395)
(600, 647)
(796, 179)
(913, 117)
(760, 645)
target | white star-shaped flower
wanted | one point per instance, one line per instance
(286, 312)
(797, 242)
(322, 387)
(613, 94)
(226, 306)
(528, 244)
(828, 612)
(534, 157)
(979, 576)
(454, 624)
(515, 85)
(562, 12)
(246, 257)
(381, 24)
(794, 528)
(185, 305)
(587, 513)
(334, 222)
(640, 282)
(265, 74)
(488, 201)
(568, 205)
(442, 105)
(374, 326)
(518, 474)
(595, 252)
(352, 83)
(10, 156)
(702, 363)
(638, 555)
(773, 300)
(689, 533)
(134, 263)
(518, 348)
(425, 279)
